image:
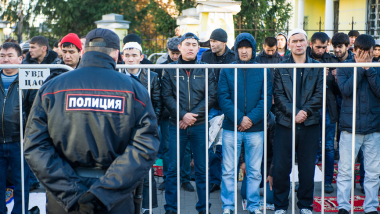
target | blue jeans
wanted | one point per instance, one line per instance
(196, 137)
(253, 144)
(371, 151)
(329, 148)
(243, 191)
(164, 147)
(10, 155)
(215, 159)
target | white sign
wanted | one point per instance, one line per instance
(32, 78)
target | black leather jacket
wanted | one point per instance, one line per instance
(71, 125)
(311, 101)
(10, 111)
(50, 58)
(155, 90)
(192, 90)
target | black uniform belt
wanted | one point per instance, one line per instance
(89, 172)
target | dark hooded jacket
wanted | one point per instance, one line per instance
(264, 58)
(210, 58)
(368, 99)
(311, 100)
(50, 58)
(71, 125)
(250, 90)
(332, 90)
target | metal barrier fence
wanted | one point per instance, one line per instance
(235, 66)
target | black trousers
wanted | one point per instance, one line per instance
(307, 142)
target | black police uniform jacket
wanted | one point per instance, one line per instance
(93, 117)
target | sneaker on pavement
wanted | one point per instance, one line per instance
(162, 186)
(228, 211)
(255, 212)
(343, 211)
(280, 212)
(329, 188)
(305, 211)
(188, 187)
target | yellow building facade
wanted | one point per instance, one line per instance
(333, 16)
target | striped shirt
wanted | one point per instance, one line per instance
(7, 81)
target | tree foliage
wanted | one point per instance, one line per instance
(263, 18)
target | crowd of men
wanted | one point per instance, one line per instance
(83, 158)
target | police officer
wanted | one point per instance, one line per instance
(92, 134)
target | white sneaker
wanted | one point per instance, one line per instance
(305, 211)
(256, 212)
(280, 212)
(228, 211)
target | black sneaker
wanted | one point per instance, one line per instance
(329, 188)
(170, 212)
(373, 212)
(214, 187)
(162, 186)
(188, 187)
(343, 211)
(34, 210)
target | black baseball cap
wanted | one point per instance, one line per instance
(189, 36)
(111, 38)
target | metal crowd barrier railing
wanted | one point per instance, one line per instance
(235, 66)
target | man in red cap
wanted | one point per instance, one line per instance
(71, 47)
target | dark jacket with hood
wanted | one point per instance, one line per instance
(10, 110)
(264, 58)
(71, 125)
(368, 99)
(311, 100)
(250, 91)
(50, 58)
(192, 89)
(210, 58)
(332, 90)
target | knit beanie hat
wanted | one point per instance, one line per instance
(132, 38)
(73, 39)
(219, 35)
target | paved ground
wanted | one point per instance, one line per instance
(188, 200)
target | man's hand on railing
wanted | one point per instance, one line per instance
(363, 57)
(301, 116)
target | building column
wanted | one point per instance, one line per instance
(329, 18)
(301, 13)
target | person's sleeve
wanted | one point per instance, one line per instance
(156, 97)
(315, 101)
(54, 173)
(169, 97)
(374, 81)
(346, 81)
(200, 108)
(257, 114)
(225, 98)
(127, 170)
(281, 101)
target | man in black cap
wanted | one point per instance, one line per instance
(219, 53)
(92, 134)
(192, 111)
(135, 38)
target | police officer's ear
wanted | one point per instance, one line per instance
(115, 55)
